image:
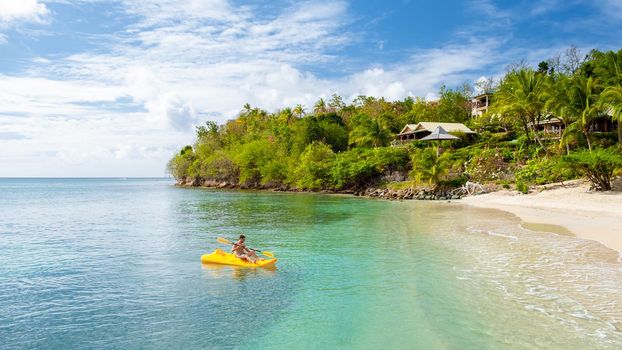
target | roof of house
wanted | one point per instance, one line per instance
(482, 95)
(439, 134)
(431, 126)
(551, 120)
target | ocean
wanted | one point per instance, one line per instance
(115, 263)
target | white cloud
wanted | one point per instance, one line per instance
(124, 108)
(22, 10)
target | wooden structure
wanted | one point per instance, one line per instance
(553, 127)
(413, 132)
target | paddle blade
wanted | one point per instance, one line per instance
(223, 240)
(268, 254)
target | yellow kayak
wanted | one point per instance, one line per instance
(221, 257)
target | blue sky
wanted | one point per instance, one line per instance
(113, 88)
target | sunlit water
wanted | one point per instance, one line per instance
(113, 263)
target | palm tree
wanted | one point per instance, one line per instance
(524, 93)
(609, 71)
(369, 132)
(246, 109)
(611, 99)
(288, 114)
(319, 107)
(558, 103)
(299, 110)
(580, 103)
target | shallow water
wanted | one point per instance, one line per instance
(115, 263)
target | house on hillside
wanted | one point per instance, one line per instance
(480, 104)
(413, 132)
(553, 127)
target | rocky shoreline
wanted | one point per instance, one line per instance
(412, 193)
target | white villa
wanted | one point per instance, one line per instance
(480, 104)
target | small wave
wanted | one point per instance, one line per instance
(492, 233)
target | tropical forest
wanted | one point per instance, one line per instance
(348, 146)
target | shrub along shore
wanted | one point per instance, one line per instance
(345, 147)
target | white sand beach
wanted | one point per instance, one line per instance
(590, 215)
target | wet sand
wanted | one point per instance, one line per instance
(589, 215)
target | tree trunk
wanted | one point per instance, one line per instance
(534, 127)
(587, 138)
(535, 122)
(566, 143)
(526, 127)
(538, 139)
(620, 133)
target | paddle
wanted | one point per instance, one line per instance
(226, 241)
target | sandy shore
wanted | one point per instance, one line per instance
(589, 215)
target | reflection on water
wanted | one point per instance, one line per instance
(239, 273)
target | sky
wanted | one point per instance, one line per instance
(97, 88)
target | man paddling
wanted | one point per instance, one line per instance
(243, 252)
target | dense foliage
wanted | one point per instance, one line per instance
(341, 146)
(598, 166)
(336, 146)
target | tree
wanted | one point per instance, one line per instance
(611, 99)
(523, 94)
(299, 110)
(336, 103)
(572, 60)
(313, 171)
(288, 114)
(597, 166)
(485, 85)
(180, 165)
(608, 69)
(559, 103)
(581, 104)
(246, 109)
(368, 132)
(428, 166)
(453, 106)
(320, 107)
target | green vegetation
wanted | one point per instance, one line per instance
(598, 166)
(340, 146)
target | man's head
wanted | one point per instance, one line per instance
(242, 238)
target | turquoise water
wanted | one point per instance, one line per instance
(113, 263)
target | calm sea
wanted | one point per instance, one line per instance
(115, 263)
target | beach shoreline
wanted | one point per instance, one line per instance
(589, 215)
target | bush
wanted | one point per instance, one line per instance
(179, 166)
(313, 171)
(362, 167)
(253, 157)
(598, 166)
(427, 166)
(540, 171)
(489, 164)
(220, 167)
(604, 139)
(522, 187)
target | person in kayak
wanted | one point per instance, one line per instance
(243, 252)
